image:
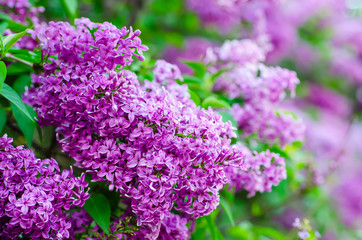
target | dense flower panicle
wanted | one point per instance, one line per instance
(227, 14)
(278, 19)
(165, 75)
(346, 33)
(222, 13)
(80, 221)
(281, 22)
(103, 45)
(328, 100)
(326, 129)
(172, 227)
(238, 52)
(262, 88)
(347, 65)
(271, 127)
(34, 194)
(346, 46)
(258, 84)
(347, 197)
(262, 171)
(150, 142)
(20, 11)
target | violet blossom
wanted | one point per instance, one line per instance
(35, 194)
(150, 143)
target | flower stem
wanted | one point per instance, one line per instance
(8, 55)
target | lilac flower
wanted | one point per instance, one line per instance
(20, 11)
(240, 53)
(172, 227)
(227, 14)
(347, 65)
(272, 127)
(34, 194)
(262, 88)
(328, 100)
(165, 75)
(148, 142)
(261, 172)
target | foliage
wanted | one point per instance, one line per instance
(220, 124)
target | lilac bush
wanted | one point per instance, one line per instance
(35, 194)
(210, 141)
(20, 11)
(263, 170)
(150, 143)
(262, 89)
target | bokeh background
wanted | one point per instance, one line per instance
(321, 40)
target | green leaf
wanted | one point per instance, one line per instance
(214, 102)
(2, 119)
(21, 82)
(1, 47)
(240, 233)
(4, 16)
(99, 209)
(194, 97)
(218, 74)
(2, 74)
(227, 209)
(14, 98)
(226, 116)
(12, 39)
(17, 68)
(3, 27)
(71, 8)
(200, 231)
(256, 210)
(191, 79)
(16, 27)
(28, 57)
(269, 232)
(26, 126)
(214, 230)
(228, 195)
(199, 68)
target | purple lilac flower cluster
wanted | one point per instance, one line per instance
(261, 87)
(20, 11)
(262, 171)
(348, 200)
(227, 13)
(172, 227)
(347, 50)
(165, 75)
(34, 194)
(149, 142)
(280, 20)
